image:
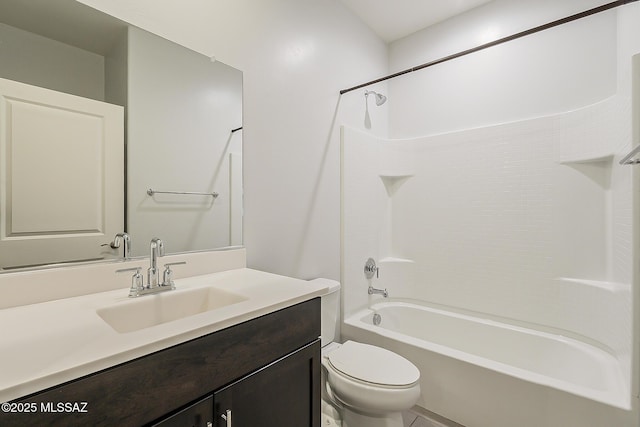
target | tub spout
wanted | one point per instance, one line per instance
(382, 292)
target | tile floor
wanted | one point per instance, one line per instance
(413, 419)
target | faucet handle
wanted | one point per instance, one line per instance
(371, 269)
(137, 281)
(175, 263)
(167, 276)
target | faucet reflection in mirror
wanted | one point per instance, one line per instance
(125, 239)
(138, 288)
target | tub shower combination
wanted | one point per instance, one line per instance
(493, 278)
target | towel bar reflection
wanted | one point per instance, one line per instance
(629, 158)
(151, 192)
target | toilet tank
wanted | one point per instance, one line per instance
(330, 318)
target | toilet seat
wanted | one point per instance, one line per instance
(371, 380)
(373, 365)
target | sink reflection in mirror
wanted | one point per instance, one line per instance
(153, 310)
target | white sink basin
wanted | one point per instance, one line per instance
(151, 310)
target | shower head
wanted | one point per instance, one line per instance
(380, 98)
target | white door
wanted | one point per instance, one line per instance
(61, 175)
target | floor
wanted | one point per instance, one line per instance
(415, 419)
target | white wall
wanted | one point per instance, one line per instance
(553, 71)
(296, 55)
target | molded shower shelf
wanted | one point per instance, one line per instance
(392, 176)
(393, 182)
(609, 286)
(390, 259)
(604, 158)
(583, 211)
(397, 274)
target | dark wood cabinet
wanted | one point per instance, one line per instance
(275, 396)
(266, 369)
(200, 414)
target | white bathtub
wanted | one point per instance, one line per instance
(483, 373)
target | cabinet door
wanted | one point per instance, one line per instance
(199, 414)
(285, 393)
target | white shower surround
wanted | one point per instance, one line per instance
(527, 221)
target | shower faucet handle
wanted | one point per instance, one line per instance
(370, 268)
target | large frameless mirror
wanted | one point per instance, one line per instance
(75, 83)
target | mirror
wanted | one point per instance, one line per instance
(182, 121)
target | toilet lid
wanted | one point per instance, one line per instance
(373, 364)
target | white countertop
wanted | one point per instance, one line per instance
(46, 344)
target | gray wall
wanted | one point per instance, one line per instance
(37, 60)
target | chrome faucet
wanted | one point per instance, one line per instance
(153, 274)
(370, 270)
(154, 285)
(382, 292)
(121, 238)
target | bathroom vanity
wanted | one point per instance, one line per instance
(248, 354)
(263, 372)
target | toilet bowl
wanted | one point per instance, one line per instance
(371, 379)
(363, 385)
(370, 384)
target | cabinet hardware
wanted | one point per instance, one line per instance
(227, 417)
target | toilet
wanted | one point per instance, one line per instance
(363, 385)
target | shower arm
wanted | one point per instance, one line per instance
(379, 98)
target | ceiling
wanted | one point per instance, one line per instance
(389, 19)
(395, 19)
